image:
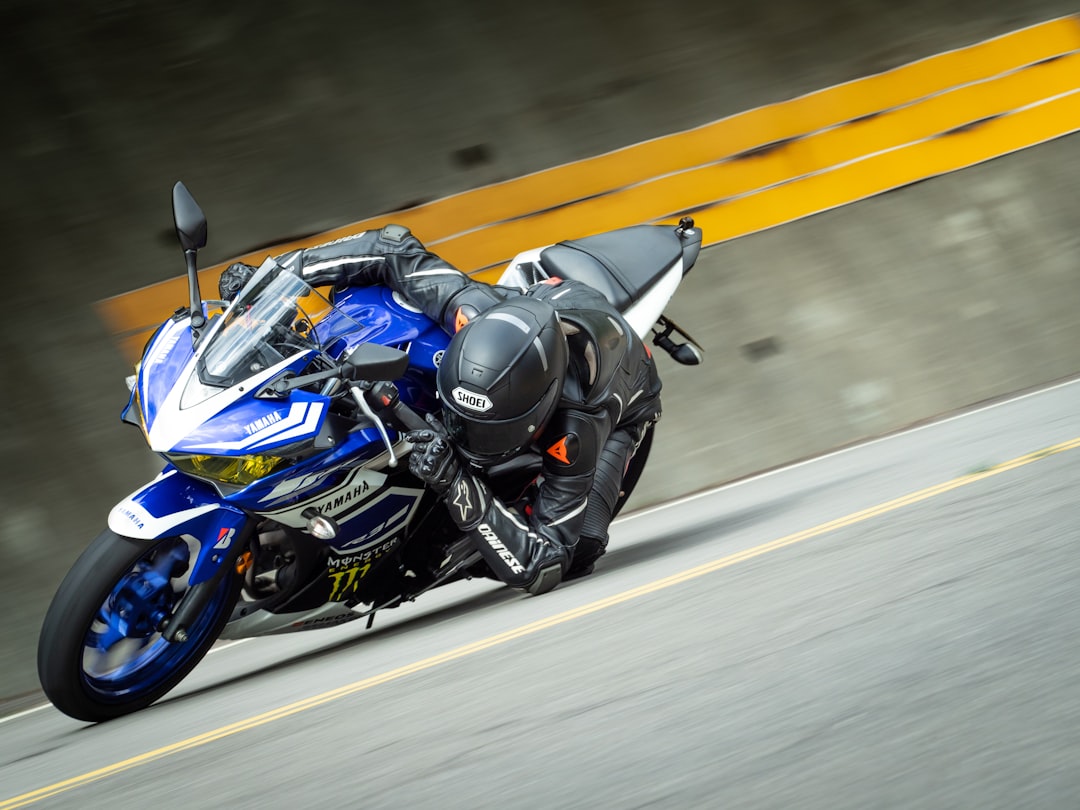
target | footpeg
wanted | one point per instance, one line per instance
(688, 353)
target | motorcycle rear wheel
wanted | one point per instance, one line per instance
(100, 653)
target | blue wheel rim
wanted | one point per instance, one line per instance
(124, 654)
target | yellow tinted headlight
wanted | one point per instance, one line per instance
(242, 470)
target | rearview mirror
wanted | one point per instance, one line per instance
(189, 218)
(377, 363)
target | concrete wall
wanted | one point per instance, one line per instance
(865, 319)
(843, 326)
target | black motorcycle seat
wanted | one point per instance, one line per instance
(622, 264)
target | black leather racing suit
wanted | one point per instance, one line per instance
(610, 397)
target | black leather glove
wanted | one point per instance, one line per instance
(234, 278)
(433, 460)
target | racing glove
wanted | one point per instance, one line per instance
(234, 278)
(434, 461)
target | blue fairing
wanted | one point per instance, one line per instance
(391, 323)
(387, 322)
(166, 357)
(174, 504)
(258, 425)
(315, 471)
(183, 415)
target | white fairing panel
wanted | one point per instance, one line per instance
(641, 315)
(176, 419)
(512, 275)
(131, 519)
(648, 309)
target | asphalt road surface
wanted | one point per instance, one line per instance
(893, 625)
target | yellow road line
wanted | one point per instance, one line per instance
(324, 698)
(733, 135)
(483, 227)
(690, 190)
(875, 174)
(738, 133)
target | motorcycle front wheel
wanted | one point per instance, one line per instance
(101, 653)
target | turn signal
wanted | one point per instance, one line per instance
(319, 525)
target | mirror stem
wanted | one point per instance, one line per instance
(198, 320)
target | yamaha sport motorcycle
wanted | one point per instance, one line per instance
(284, 504)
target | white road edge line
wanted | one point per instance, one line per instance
(218, 648)
(731, 485)
(24, 713)
(650, 510)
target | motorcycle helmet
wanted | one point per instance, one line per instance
(500, 379)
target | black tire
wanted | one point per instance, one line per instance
(87, 620)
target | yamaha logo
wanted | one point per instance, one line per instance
(472, 401)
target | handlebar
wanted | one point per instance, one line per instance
(409, 418)
(386, 395)
(368, 395)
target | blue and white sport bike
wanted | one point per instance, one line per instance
(284, 504)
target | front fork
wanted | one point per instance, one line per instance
(198, 596)
(222, 531)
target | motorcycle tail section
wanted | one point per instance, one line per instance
(638, 269)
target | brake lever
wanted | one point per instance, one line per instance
(361, 401)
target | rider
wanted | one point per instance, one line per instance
(555, 369)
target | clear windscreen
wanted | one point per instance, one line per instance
(272, 318)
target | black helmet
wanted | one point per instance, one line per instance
(501, 377)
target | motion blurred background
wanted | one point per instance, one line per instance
(289, 120)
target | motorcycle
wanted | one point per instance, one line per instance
(283, 504)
